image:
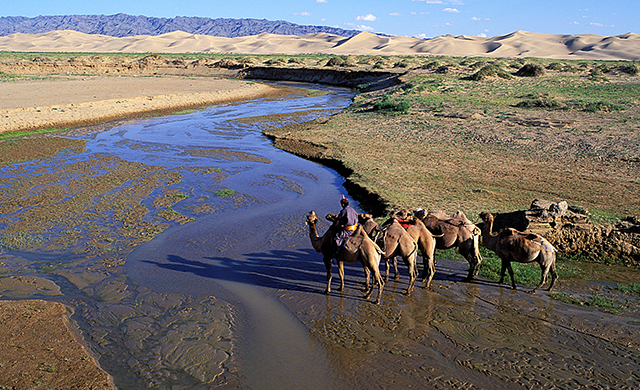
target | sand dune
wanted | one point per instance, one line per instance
(516, 44)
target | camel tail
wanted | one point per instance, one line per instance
(380, 251)
(476, 246)
(547, 245)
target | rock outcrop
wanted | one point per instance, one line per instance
(572, 232)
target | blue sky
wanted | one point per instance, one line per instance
(414, 18)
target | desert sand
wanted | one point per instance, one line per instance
(516, 44)
(58, 102)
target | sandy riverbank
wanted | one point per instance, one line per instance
(66, 101)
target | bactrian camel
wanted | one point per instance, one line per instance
(512, 245)
(425, 240)
(365, 251)
(455, 231)
(397, 242)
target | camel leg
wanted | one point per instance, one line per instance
(387, 266)
(429, 270)
(380, 284)
(554, 275)
(545, 268)
(410, 262)
(377, 280)
(327, 264)
(473, 260)
(367, 275)
(341, 273)
(503, 271)
(369, 289)
(513, 279)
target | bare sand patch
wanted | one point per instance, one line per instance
(57, 102)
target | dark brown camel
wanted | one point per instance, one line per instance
(512, 245)
(359, 248)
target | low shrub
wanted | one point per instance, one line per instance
(602, 105)
(632, 69)
(336, 61)
(490, 71)
(388, 104)
(531, 70)
(544, 102)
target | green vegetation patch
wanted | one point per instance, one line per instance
(226, 193)
(388, 104)
(490, 71)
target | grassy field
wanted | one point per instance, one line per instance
(450, 137)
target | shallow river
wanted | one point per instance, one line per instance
(230, 294)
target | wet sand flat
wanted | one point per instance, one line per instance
(59, 101)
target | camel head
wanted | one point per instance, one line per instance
(420, 213)
(312, 218)
(331, 217)
(402, 214)
(487, 217)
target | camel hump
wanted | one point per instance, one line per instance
(355, 241)
(439, 215)
(538, 239)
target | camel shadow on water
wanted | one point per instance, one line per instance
(299, 270)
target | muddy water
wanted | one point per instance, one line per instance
(223, 254)
(188, 308)
(229, 295)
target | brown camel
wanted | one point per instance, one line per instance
(359, 248)
(455, 231)
(512, 245)
(425, 240)
(396, 241)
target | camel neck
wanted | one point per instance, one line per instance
(487, 237)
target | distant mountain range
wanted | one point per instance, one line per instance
(122, 25)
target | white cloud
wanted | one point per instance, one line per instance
(482, 35)
(431, 1)
(475, 18)
(452, 10)
(367, 18)
(421, 36)
(600, 25)
(395, 14)
(321, 1)
(301, 14)
(362, 27)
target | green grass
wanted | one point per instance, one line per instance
(525, 274)
(609, 305)
(631, 289)
(226, 193)
(18, 134)
(388, 104)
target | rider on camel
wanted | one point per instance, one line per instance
(344, 225)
